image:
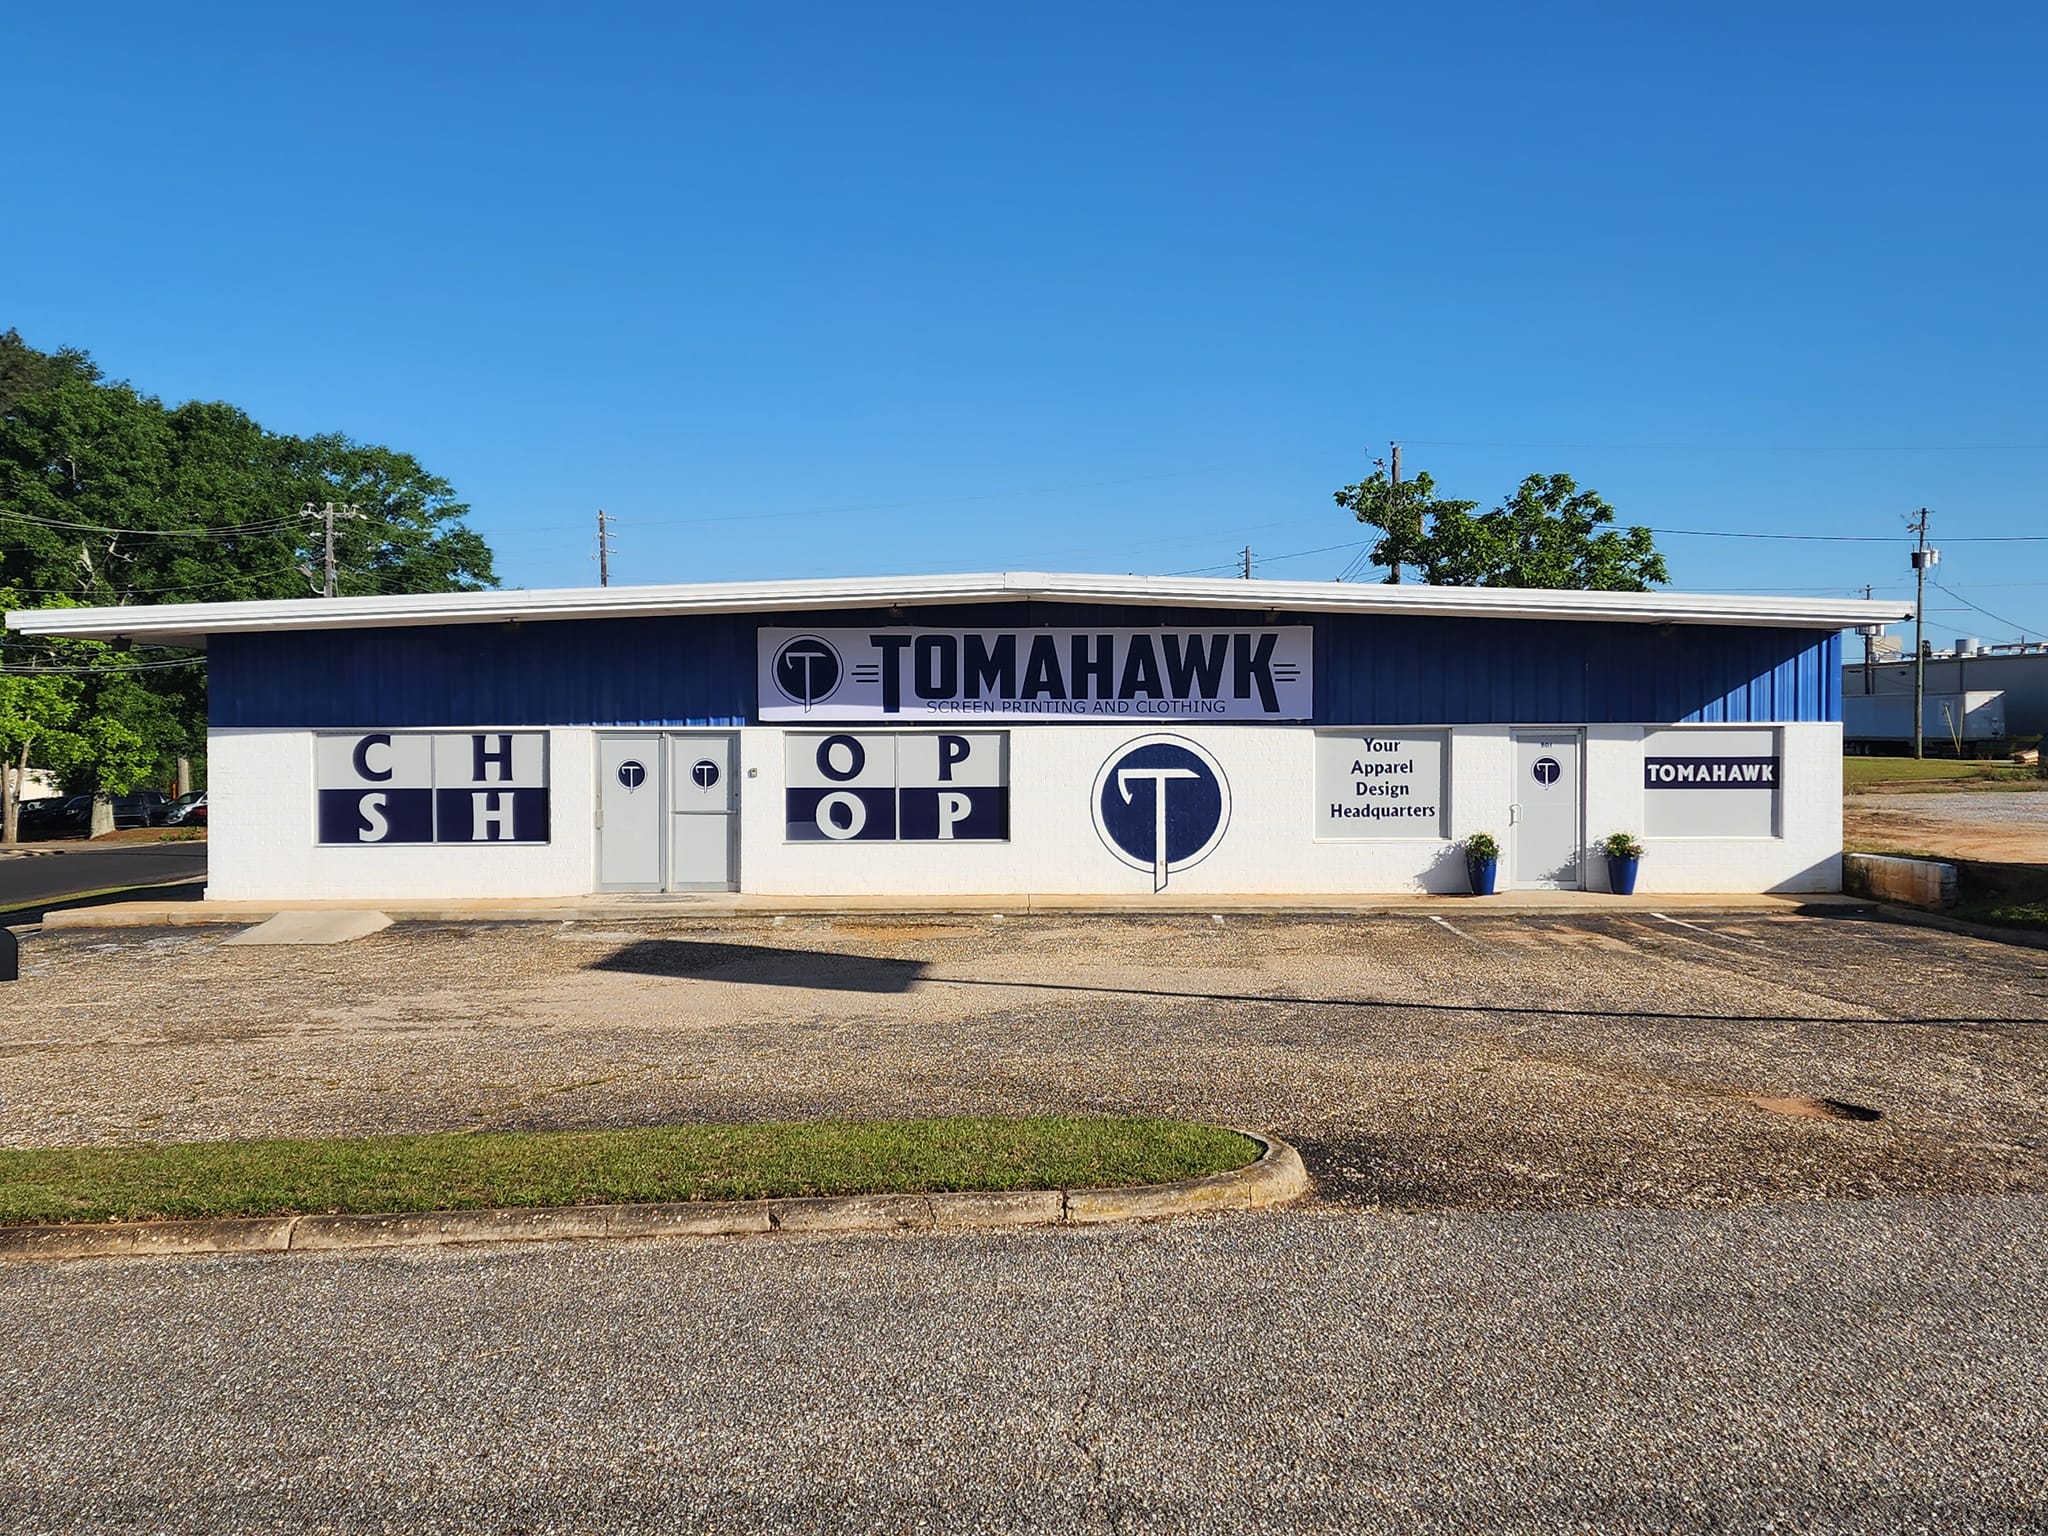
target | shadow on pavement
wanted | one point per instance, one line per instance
(33, 912)
(755, 965)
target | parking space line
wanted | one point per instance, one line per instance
(1461, 933)
(1726, 938)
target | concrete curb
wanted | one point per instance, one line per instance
(2025, 938)
(196, 914)
(1276, 1178)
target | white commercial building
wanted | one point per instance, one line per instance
(1009, 734)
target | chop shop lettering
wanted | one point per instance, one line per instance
(938, 675)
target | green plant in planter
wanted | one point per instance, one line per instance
(1481, 845)
(1622, 845)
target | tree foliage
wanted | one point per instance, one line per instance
(1549, 533)
(1403, 513)
(110, 497)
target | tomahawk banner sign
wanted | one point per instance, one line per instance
(1710, 783)
(941, 675)
(442, 787)
(881, 786)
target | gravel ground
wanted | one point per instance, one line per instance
(2024, 809)
(1991, 826)
(1824, 1366)
(1494, 1063)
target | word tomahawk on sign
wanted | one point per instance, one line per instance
(939, 675)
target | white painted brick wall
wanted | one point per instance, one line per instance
(262, 848)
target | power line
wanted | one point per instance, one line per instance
(1844, 538)
(1445, 442)
(83, 671)
(2019, 628)
(217, 532)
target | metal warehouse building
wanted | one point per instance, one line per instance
(1009, 734)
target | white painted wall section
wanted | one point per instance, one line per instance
(262, 837)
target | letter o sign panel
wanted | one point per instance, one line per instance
(897, 786)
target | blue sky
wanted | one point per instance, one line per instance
(810, 290)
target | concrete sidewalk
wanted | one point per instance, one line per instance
(154, 914)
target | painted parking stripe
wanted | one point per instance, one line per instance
(1712, 933)
(1461, 933)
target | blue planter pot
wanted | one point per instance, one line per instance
(1481, 872)
(1621, 875)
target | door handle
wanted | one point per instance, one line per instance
(1514, 811)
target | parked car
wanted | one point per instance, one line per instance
(138, 809)
(35, 814)
(187, 810)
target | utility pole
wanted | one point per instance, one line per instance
(1869, 650)
(1247, 553)
(1394, 505)
(328, 514)
(604, 549)
(1923, 559)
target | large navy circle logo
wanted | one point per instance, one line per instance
(632, 774)
(807, 670)
(1546, 771)
(705, 773)
(1161, 804)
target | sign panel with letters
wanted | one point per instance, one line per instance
(1260, 672)
(881, 786)
(431, 787)
(1381, 783)
(1710, 783)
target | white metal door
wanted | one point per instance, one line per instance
(629, 813)
(702, 794)
(1548, 832)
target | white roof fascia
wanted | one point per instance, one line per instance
(190, 623)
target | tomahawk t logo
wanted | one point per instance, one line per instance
(807, 670)
(1161, 804)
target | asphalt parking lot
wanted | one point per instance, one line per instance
(1564, 1272)
(1867, 1366)
(1494, 1063)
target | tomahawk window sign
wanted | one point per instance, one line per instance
(1710, 783)
(879, 786)
(420, 787)
(1381, 784)
(1255, 673)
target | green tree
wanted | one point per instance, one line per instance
(24, 370)
(1549, 533)
(102, 718)
(1403, 514)
(109, 497)
(36, 713)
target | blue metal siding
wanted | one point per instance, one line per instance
(1370, 670)
(1394, 671)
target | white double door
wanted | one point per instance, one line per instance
(666, 803)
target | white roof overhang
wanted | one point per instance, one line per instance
(191, 623)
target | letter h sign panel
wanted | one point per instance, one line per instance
(459, 787)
